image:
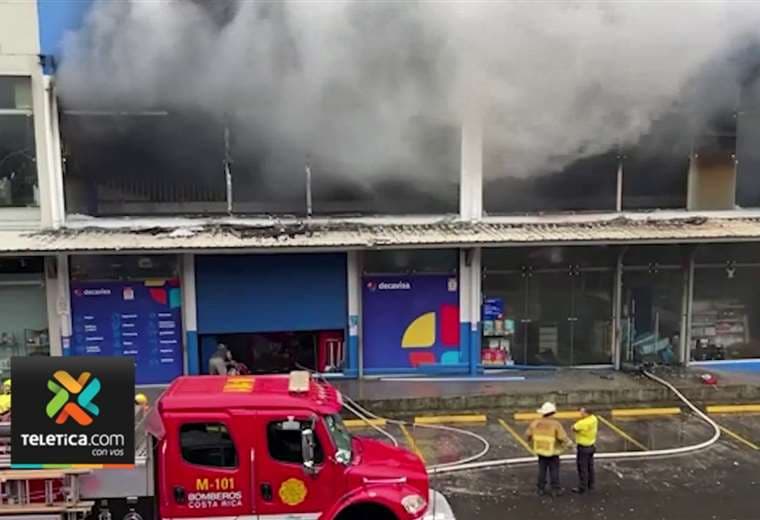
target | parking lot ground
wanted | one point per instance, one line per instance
(658, 433)
(719, 483)
(741, 429)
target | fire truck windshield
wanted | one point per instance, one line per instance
(340, 437)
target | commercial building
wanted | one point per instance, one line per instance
(109, 247)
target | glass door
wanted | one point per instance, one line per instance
(591, 320)
(651, 315)
(548, 331)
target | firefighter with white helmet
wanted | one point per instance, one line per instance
(548, 438)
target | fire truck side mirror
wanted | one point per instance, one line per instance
(307, 450)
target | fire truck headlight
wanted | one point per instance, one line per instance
(413, 504)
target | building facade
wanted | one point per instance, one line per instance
(622, 258)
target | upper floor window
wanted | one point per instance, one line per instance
(18, 163)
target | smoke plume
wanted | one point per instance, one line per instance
(368, 90)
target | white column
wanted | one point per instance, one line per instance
(353, 346)
(471, 172)
(56, 198)
(191, 358)
(51, 293)
(470, 304)
(41, 111)
(58, 294)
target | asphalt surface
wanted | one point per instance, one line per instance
(719, 483)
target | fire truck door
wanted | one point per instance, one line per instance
(286, 488)
(206, 467)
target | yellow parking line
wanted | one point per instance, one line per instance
(411, 442)
(361, 423)
(516, 435)
(450, 419)
(620, 432)
(530, 416)
(740, 439)
(644, 412)
(734, 408)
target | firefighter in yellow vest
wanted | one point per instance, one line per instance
(548, 440)
(5, 399)
(585, 437)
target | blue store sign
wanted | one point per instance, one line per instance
(410, 321)
(138, 319)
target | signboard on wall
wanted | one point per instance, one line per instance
(138, 319)
(410, 321)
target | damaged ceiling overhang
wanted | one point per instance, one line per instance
(276, 235)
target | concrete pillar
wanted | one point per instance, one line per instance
(619, 193)
(42, 125)
(470, 300)
(189, 315)
(51, 294)
(58, 292)
(56, 199)
(471, 172)
(353, 362)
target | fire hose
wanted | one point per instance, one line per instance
(472, 463)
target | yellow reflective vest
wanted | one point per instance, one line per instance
(547, 436)
(585, 431)
(5, 403)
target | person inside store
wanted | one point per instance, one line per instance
(585, 438)
(221, 362)
(548, 439)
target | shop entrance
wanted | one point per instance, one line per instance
(552, 316)
(651, 314)
(279, 352)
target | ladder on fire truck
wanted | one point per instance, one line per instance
(19, 501)
(49, 494)
(39, 494)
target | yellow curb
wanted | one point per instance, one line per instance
(734, 408)
(361, 423)
(451, 419)
(644, 412)
(530, 416)
(516, 435)
(623, 434)
(411, 442)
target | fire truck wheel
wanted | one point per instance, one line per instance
(366, 512)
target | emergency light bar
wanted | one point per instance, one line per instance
(298, 381)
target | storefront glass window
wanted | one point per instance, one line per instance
(505, 258)
(542, 315)
(124, 267)
(656, 256)
(23, 310)
(725, 320)
(411, 261)
(18, 168)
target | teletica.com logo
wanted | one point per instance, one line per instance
(63, 405)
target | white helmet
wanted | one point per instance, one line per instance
(547, 408)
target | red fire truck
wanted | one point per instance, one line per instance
(262, 447)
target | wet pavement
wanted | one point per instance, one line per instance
(720, 483)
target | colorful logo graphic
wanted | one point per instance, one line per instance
(73, 398)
